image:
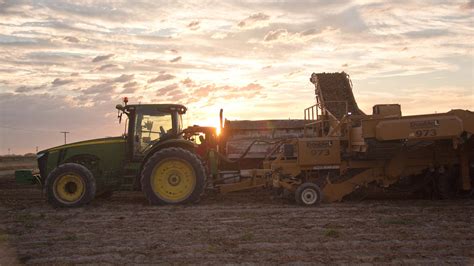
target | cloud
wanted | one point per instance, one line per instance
(102, 58)
(130, 90)
(275, 35)
(309, 32)
(194, 25)
(102, 88)
(219, 35)
(204, 91)
(254, 20)
(249, 91)
(71, 39)
(161, 77)
(130, 87)
(348, 20)
(296, 38)
(124, 78)
(228, 92)
(130, 84)
(167, 89)
(107, 66)
(468, 5)
(428, 33)
(188, 82)
(176, 59)
(251, 87)
(59, 82)
(23, 89)
(178, 97)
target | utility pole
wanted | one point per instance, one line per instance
(65, 133)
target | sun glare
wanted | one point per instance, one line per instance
(210, 122)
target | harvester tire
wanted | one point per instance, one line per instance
(308, 194)
(70, 185)
(173, 176)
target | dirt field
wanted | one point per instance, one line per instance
(239, 228)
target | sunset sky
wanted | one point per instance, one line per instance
(64, 65)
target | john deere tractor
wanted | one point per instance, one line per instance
(152, 155)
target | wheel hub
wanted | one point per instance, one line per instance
(174, 179)
(309, 196)
(70, 187)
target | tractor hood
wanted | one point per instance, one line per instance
(84, 143)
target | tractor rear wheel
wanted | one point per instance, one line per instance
(308, 194)
(173, 176)
(70, 185)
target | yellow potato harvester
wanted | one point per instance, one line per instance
(342, 149)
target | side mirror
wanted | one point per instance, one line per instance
(120, 109)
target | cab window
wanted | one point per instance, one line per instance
(150, 128)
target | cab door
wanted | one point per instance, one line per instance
(150, 127)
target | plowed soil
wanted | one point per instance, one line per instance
(240, 228)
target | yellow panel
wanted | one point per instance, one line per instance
(430, 127)
(319, 151)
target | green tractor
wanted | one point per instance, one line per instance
(152, 155)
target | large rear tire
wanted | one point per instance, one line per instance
(173, 176)
(70, 185)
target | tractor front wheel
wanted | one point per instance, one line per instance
(70, 185)
(308, 194)
(173, 176)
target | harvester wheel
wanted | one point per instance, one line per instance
(70, 185)
(173, 176)
(308, 194)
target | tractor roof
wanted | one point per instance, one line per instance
(168, 107)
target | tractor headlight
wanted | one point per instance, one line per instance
(39, 155)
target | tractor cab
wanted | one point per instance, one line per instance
(150, 124)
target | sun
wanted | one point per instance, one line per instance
(210, 122)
